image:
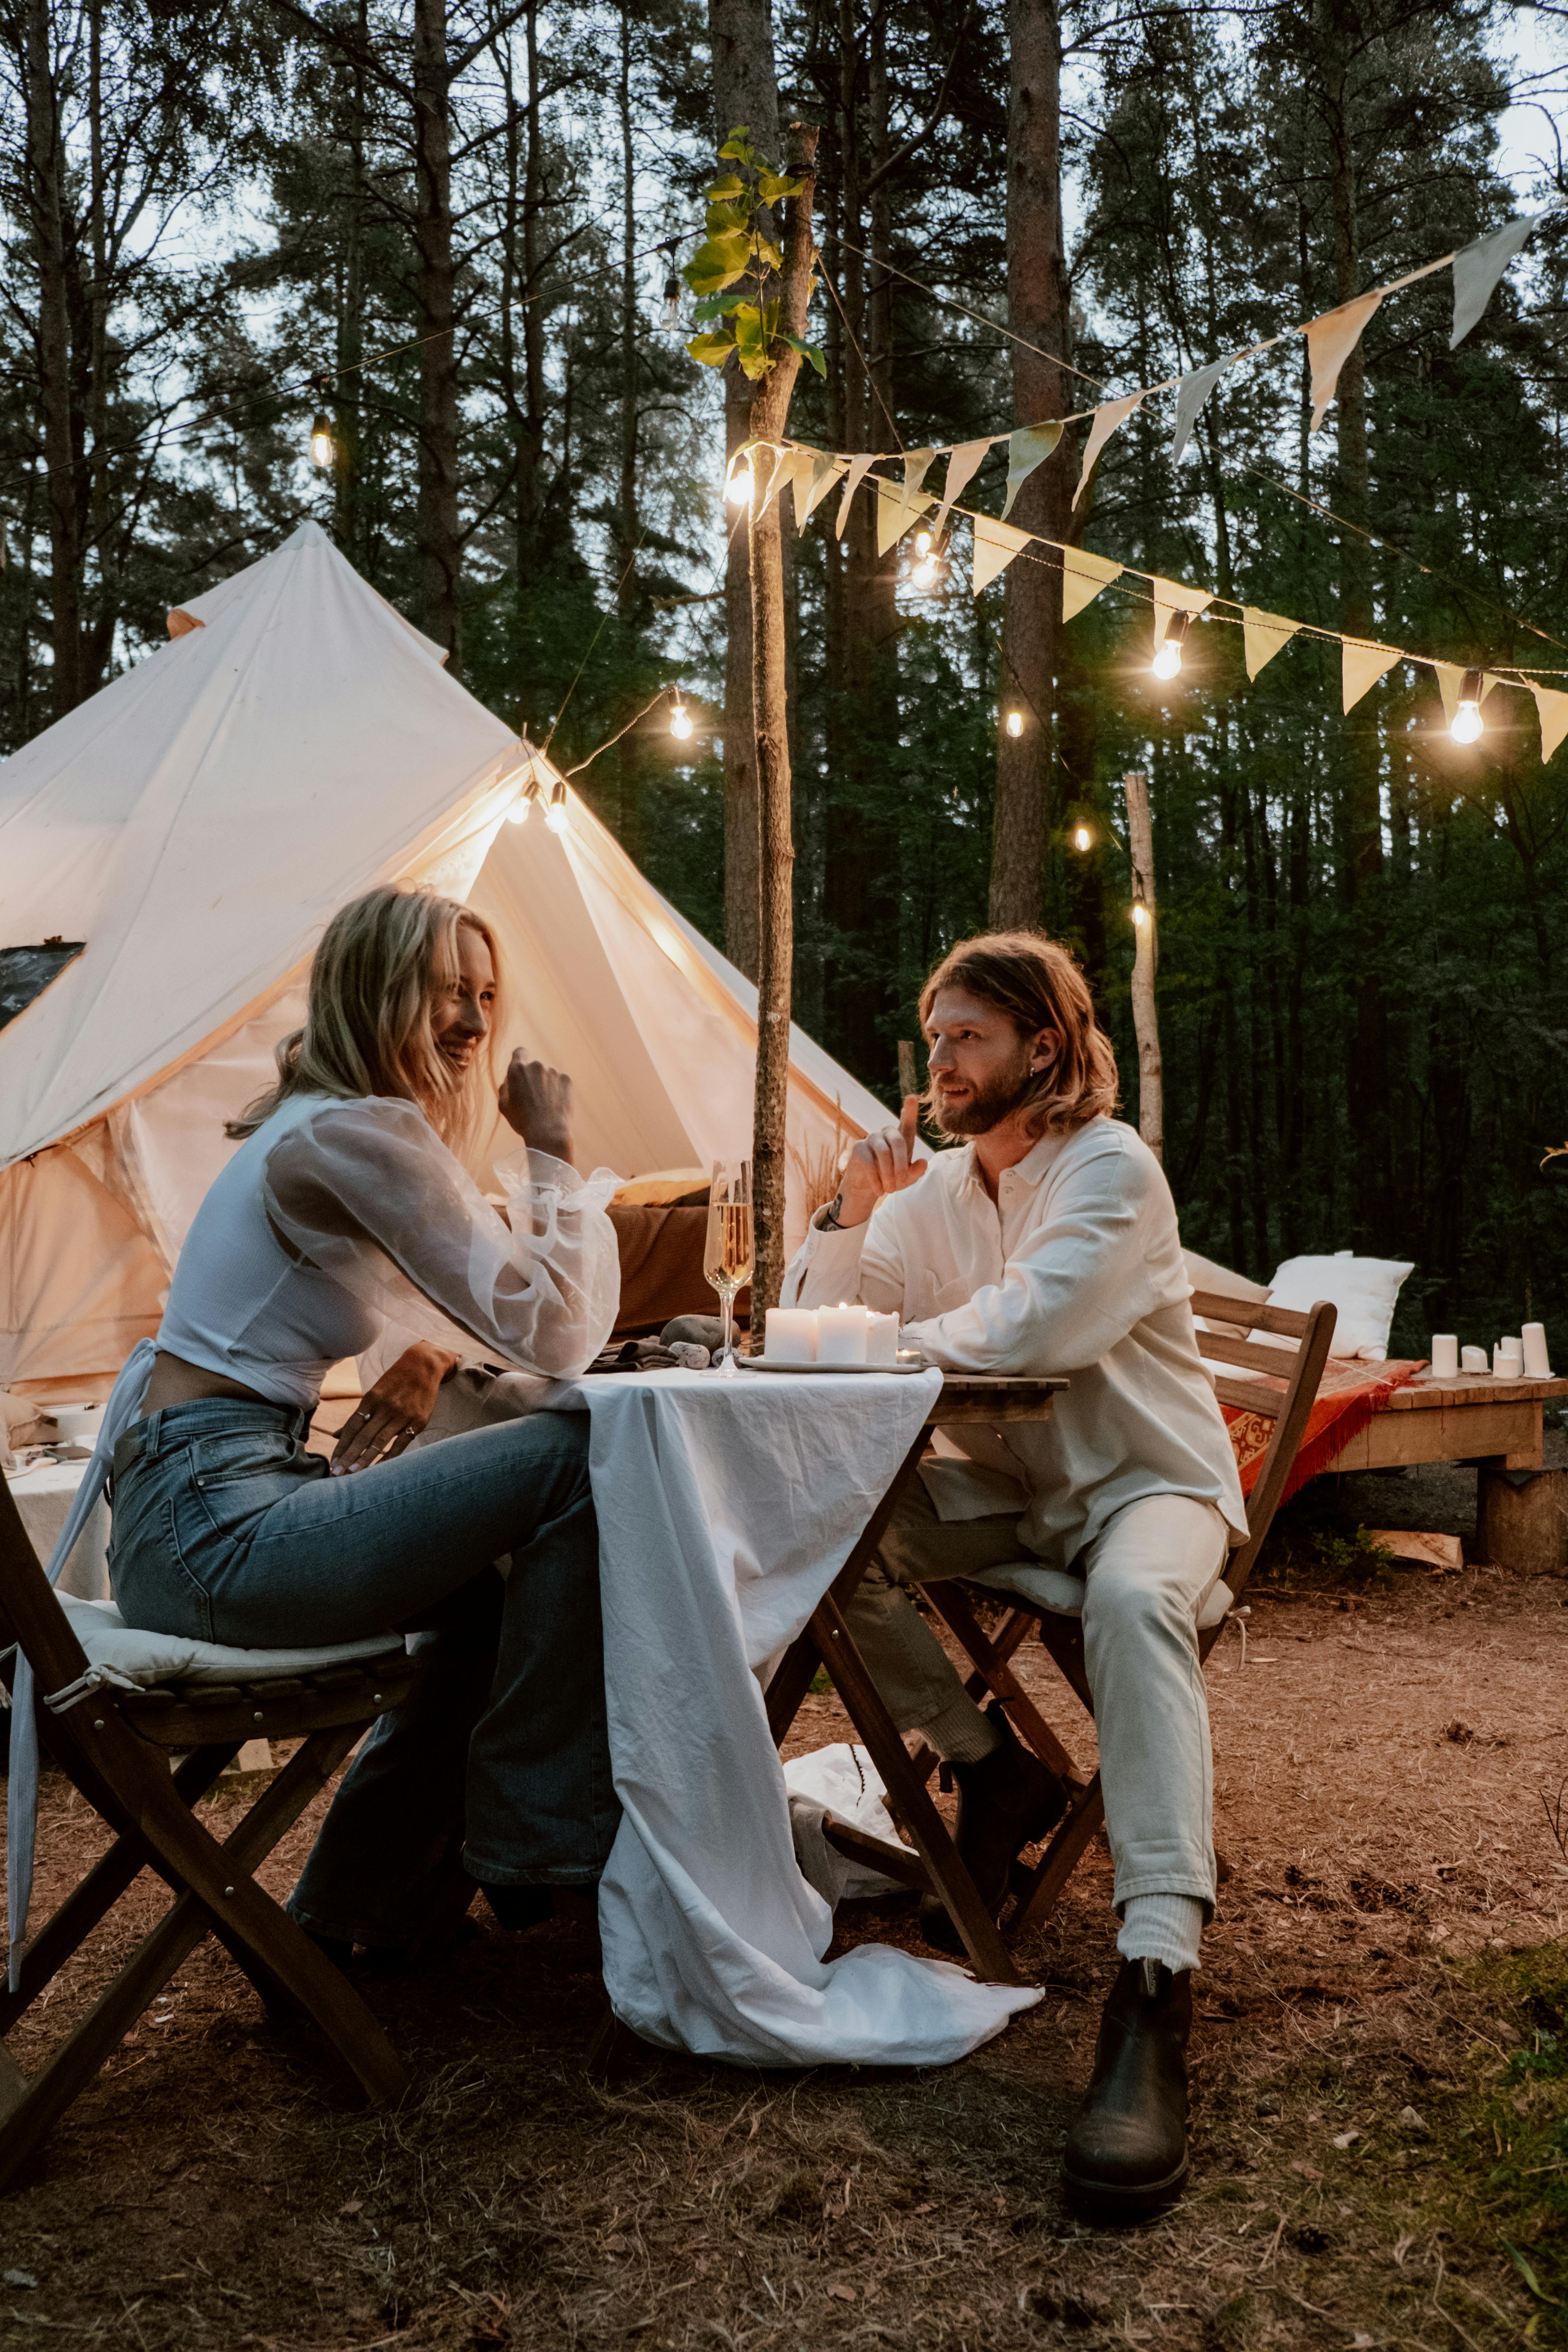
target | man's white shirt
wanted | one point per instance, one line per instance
(1076, 1268)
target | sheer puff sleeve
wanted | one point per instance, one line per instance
(367, 1191)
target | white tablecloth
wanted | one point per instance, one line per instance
(44, 1493)
(726, 1506)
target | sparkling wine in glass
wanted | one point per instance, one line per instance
(728, 1255)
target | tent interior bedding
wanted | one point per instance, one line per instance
(195, 822)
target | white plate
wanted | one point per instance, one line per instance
(761, 1364)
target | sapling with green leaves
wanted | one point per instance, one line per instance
(737, 272)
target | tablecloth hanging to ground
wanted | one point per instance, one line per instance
(1349, 1396)
(726, 1508)
(45, 1491)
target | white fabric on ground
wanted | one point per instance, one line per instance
(1075, 1267)
(1167, 1928)
(727, 1503)
(146, 1658)
(841, 1781)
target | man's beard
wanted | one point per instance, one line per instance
(988, 1106)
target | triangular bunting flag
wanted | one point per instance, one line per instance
(1027, 448)
(1262, 635)
(785, 466)
(1105, 421)
(1083, 577)
(1450, 678)
(1361, 666)
(825, 471)
(1553, 710)
(995, 545)
(894, 512)
(1478, 269)
(1171, 596)
(1331, 340)
(858, 468)
(916, 463)
(961, 468)
(1191, 395)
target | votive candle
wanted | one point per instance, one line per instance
(1472, 1359)
(1508, 1360)
(841, 1335)
(791, 1335)
(882, 1338)
(1444, 1355)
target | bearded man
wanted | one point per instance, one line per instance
(1047, 1243)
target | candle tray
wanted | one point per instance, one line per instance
(828, 1371)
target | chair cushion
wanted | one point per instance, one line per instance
(148, 1658)
(1061, 1595)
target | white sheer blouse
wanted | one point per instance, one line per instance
(340, 1224)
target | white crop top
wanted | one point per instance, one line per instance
(336, 1220)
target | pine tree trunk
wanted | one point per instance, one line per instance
(776, 943)
(1038, 311)
(440, 541)
(47, 213)
(1146, 955)
(628, 591)
(740, 35)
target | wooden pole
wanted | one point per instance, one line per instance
(1146, 964)
(775, 836)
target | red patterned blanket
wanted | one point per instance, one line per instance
(1347, 1398)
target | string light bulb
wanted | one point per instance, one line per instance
(1014, 724)
(1466, 720)
(738, 488)
(1080, 838)
(680, 721)
(672, 300)
(322, 445)
(1139, 913)
(528, 794)
(558, 816)
(1167, 661)
(923, 542)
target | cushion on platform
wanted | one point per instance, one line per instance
(148, 1658)
(1052, 1589)
(1363, 1290)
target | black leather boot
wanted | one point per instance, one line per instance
(1127, 2151)
(1005, 1803)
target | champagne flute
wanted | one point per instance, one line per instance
(728, 1253)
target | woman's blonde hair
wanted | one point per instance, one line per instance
(1038, 986)
(370, 1029)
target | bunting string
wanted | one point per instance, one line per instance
(1331, 340)
(901, 504)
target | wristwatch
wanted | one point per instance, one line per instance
(830, 1224)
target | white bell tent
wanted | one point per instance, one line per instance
(194, 824)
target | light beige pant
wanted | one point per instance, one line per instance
(1146, 1576)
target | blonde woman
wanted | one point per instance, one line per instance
(348, 1211)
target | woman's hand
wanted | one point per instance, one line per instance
(536, 1101)
(391, 1414)
(879, 1164)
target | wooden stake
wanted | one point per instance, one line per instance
(1146, 963)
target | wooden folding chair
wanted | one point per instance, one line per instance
(119, 1746)
(1284, 1391)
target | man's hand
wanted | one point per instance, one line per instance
(536, 1101)
(879, 1164)
(391, 1415)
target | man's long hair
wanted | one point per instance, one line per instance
(369, 1016)
(1038, 986)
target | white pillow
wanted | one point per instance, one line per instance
(1364, 1289)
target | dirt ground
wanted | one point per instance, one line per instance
(1380, 2144)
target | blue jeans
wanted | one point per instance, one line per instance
(226, 1530)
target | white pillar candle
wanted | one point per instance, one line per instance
(1508, 1360)
(1537, 1362)
(882, 1338)
(791, 1335)
(1444, 1355)
(841, 1335)
(1472, 1359)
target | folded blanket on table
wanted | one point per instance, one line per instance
(1348, 1397)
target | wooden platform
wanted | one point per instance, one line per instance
(1471, 1418)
